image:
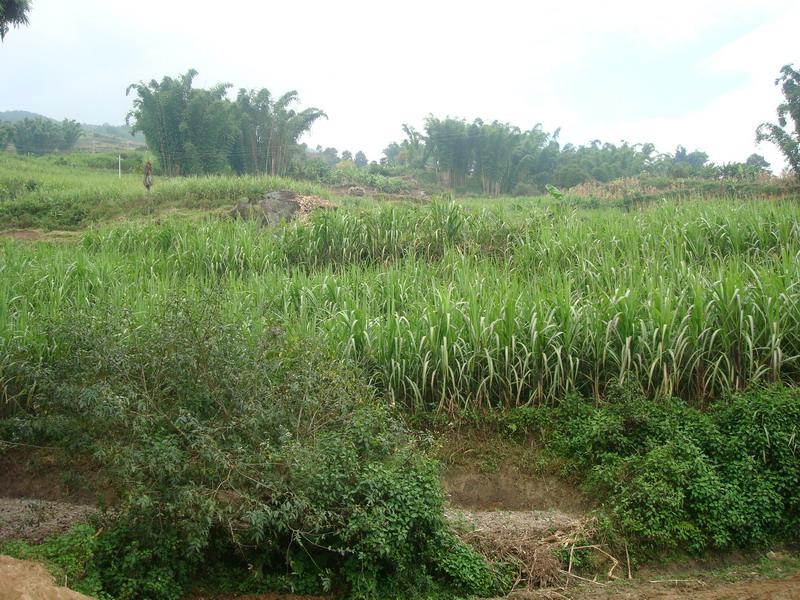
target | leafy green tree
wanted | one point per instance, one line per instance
(13, 13)
(43, 136)
(415, 150)
(269, 132)
(35, 136)
(287, 127)
(5, 135)
(254, 111)
(757, 162)
(208, 131)
(70, 133)
(347, 155)
(201, 131)
(570, 175)
(500, 158)
(361, 159)
(450, 147)
(391, 154)
(158, 112)
(754, 166)
(330, 156)
(495, 157)
(786, 133)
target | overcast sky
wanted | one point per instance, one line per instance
(700, 73)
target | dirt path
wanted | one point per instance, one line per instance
(38, 235)
(765, 589)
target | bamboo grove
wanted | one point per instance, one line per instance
(195, 131)
(451, 307)
(495, 158)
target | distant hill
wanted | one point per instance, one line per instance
(19, 115)
(95, 137)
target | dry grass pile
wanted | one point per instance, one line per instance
(529, 540)
(543, 546)
(309, 204)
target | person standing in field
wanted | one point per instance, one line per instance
(148, 175)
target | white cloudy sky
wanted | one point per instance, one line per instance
(694, 72)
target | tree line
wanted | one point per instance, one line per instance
(197, 131)
(40, 135)
(500, 158)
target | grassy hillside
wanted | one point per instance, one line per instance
(248, 392)
(71, 192)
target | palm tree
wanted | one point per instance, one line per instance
(270, 129)
(287, 127)
(13, 12)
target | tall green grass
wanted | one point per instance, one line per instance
(456, 308)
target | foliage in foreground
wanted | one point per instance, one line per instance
(236, 450)
(671, 476)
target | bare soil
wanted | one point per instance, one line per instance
(25, 580)
(765, 589)
(49, 474)
(34, 520)
(510, 488)
(37, 235)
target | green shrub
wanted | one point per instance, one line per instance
(233, 441)
(670, 475)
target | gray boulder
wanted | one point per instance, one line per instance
(272, 209)
(278, 207)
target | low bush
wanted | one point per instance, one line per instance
(673, 476)
(232, 445)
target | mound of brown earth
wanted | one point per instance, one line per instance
(277, 207)
(25, 580)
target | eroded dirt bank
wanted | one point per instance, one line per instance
(25, 580)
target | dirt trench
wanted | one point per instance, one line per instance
(512, 515)
(506, 514)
